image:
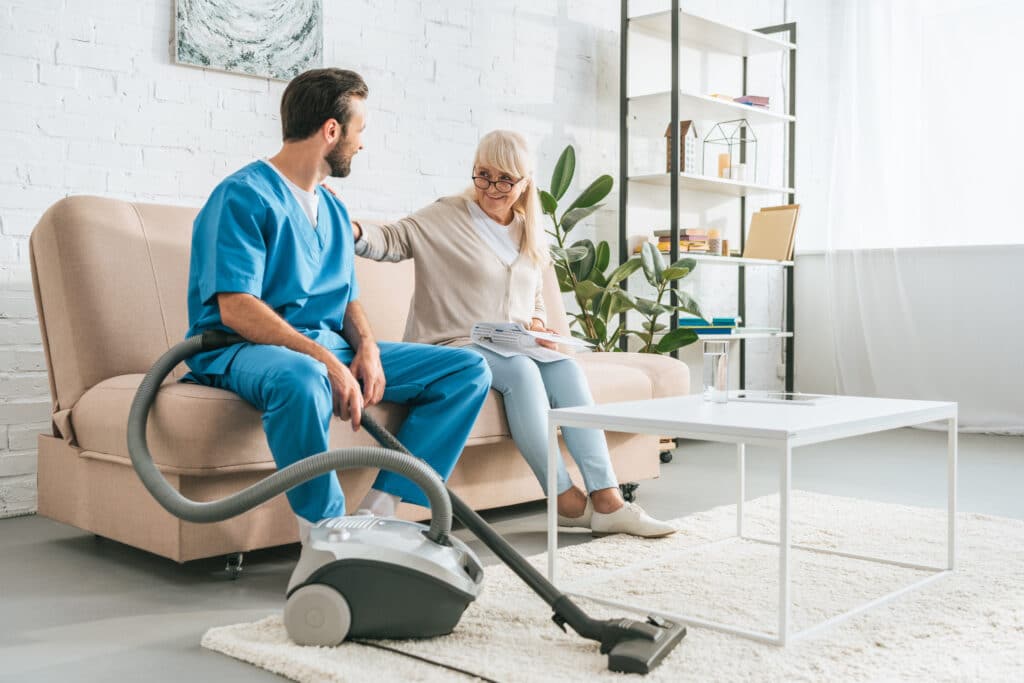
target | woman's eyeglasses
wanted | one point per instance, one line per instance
(503, 186)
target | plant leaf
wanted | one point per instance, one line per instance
(676, 273)
(548, 204)
(676, 339)
(648, 307)
(601, 329)
(594, 193)
(573, 216)
(687, 304)
(587, 290)
(624, 271)
(620, 301)
(688, 263)
(561, 177)
(654, 267)
(575, 253)
(604, 255)
(658, 327)
(597, 277)
(581, 267)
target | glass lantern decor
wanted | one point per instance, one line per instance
(730, 151)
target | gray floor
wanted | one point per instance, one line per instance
(76, 608)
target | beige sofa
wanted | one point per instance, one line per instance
(110, 285)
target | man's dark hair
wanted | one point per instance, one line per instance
(314, 96)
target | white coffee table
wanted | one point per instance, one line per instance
(780, 426)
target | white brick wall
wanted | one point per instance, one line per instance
(91, 102)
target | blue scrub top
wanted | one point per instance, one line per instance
(253, 236)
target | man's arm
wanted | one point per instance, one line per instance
(366, 365)
(259, 324)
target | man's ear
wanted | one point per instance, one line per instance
(332, 131)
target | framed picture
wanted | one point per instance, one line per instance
(268, 38)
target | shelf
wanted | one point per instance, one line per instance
(707, 108)
(701, 183)
(731, 260)
(695, 30)
(744, 335)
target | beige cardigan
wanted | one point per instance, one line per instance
(460, 280)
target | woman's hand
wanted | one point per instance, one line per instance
(537, 325)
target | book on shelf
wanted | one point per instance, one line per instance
(714, 322)
(667, 234)
(771, 233)
(760, 101)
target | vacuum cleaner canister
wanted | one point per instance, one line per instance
(373, 577)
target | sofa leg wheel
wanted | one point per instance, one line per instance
(629, 491)
(666, 456)
(234, 565)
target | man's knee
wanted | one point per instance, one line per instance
(299, 377)
(476, 369)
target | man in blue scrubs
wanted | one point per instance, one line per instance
(272, 260)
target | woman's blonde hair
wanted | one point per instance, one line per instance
(509, 152)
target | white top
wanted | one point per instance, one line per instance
(494, 234)
(309, 201)
(833, 417)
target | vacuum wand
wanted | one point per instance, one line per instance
(632, 646)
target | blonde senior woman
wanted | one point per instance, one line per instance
(480, 256)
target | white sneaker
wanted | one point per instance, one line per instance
(581, 521)
(629, 519)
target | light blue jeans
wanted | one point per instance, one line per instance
(529, 388)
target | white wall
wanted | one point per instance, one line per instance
(92, 103)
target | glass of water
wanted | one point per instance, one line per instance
(716, 371)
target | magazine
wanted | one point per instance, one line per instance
(510, 339)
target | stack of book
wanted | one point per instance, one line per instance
(759, 101)
(690, 239)
(712, 326)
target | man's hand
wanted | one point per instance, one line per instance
(537, 325)
(366, 368)
(348, 402)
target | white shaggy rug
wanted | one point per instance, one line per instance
(965, 626)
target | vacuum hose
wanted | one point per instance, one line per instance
(279, 482)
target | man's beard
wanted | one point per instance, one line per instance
(340, 164)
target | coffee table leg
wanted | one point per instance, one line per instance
(553, 454)
(741, 493)
(951, 448)
(784, 489)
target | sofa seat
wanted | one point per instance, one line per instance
(189, 423)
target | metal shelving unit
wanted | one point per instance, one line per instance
(681, 28)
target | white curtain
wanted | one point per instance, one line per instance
(924, 255)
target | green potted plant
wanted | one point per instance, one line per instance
(581, 269)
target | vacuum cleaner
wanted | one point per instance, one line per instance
(381, 577)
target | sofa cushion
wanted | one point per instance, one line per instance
(204, 430)
(668, 376)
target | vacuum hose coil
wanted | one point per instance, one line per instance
(300, 472)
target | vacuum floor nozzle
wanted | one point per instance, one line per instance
(642, 653)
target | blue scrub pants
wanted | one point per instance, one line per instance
(444, 387)
(528, 388)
